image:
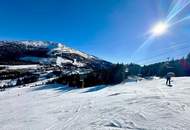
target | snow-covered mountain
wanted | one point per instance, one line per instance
(45, 52)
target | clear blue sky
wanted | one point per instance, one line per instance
(110, 29)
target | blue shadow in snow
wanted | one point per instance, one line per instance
(95, 88)
(56, 87)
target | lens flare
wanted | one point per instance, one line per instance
(159, 29)
(172, 19)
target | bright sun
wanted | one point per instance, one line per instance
(159, 29)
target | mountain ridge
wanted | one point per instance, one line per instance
(47, 52)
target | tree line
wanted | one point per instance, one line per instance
(119, 72)
(112, 75)
(181, 67)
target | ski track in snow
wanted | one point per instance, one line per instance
(143, 105)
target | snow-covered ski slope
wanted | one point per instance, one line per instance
(147, 104)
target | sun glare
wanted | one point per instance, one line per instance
(159, 29)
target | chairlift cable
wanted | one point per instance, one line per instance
(162, 54)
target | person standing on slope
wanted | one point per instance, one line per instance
(168, 79)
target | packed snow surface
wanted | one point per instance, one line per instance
(146, 104)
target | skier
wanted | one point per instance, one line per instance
(168, 79)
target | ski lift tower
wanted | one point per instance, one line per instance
(168, 66)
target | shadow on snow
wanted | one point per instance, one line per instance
(56, 87)
(95, 88)
(64, 88)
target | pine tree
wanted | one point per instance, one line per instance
(188, 58)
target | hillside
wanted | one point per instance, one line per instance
(147, 104)
(23, 62)
(46, 53)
